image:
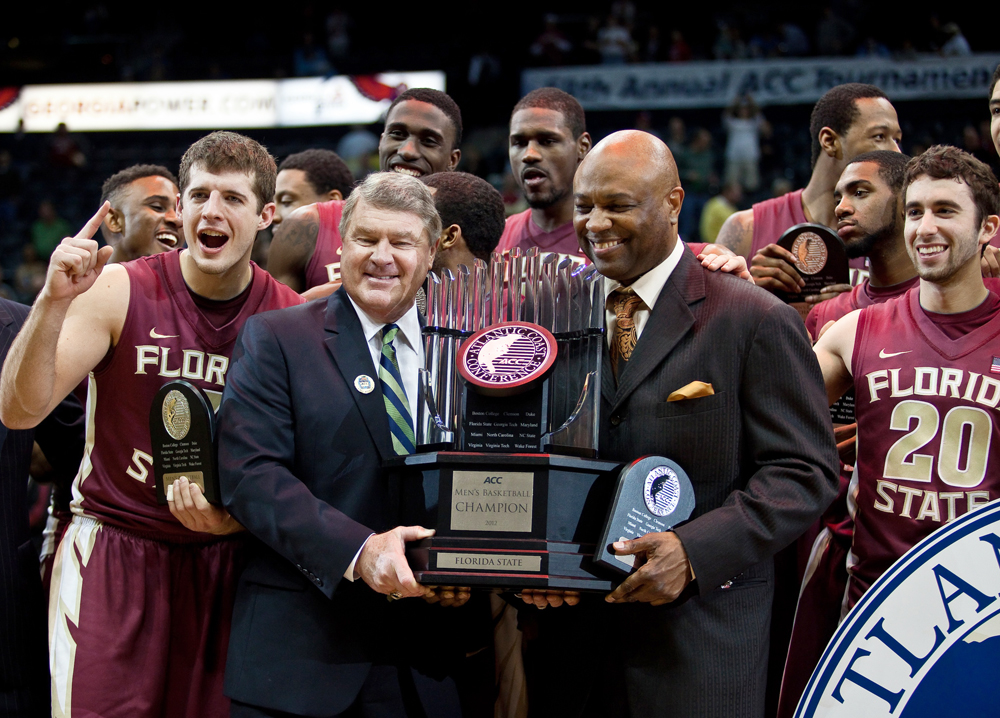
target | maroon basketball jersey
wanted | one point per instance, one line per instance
(927, 414)
(165, 337)
(861, 296)
(520, 231)
(325, 263)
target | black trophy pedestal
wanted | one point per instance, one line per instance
(506, 520)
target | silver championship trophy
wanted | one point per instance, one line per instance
(508, 417)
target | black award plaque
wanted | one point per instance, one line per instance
(653, 494)
(820, 257)
(182, 430)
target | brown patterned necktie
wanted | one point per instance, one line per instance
(624, 303)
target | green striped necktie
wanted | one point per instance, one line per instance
(396, 405)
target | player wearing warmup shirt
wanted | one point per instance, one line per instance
(926, 399)
(848, 120)
(423, 131)
(870, 221)
(141, 593)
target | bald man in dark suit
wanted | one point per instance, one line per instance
(719, 376)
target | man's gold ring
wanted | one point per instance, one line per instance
(395, 595)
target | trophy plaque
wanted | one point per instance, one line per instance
(182, 430)
(507, 470)
(820, 257)
(653, 494)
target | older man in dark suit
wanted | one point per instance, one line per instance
(317, 397)
(718, 375)
(24, 675)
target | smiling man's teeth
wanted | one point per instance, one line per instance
(925, 251)
(212, 233)
(167, 238)
(406, 171)
(606, 245)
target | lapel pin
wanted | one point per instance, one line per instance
(364, 383)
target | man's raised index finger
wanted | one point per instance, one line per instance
(94, 223)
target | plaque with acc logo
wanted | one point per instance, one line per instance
(819, 256)
(182, 431)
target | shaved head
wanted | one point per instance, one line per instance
(639, 151)
(627, 200)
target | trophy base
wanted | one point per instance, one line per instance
(509, 521)
(508, 564)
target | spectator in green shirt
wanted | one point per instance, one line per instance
(49, 229)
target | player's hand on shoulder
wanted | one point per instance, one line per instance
(77, 261)
(773, 268)
(188, 505)
(716, 258)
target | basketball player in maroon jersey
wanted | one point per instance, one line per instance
(142, 220)
(142, 594)
(922, 366)
(870, 221)
(423, 131)
(848, 120)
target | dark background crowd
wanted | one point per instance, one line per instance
(50, 183)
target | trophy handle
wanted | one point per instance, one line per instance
(433, 433)
(578, 434)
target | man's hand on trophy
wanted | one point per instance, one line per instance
(188, 505)
(382, 563)
(543, 598)
(773, 268)
(663, 569)
(448, 595)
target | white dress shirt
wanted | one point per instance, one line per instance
(647, 287)
(409, 347)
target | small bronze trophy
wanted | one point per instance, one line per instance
(507, 470)
(820, 257)
(182, 430)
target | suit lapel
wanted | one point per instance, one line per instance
(346, 343)
(669, 321)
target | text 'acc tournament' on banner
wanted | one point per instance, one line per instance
(771, 82)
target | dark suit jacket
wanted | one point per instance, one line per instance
(24, 671)
(762, 460)
(300, 450)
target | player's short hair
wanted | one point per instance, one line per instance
(394, 193)
(233, 152)
(993, 82)
(891, 167)
(440, 100)
(474, 205)
(114, 186)
(324, 170)
(946, 162)
(838, 109)
(552, 98)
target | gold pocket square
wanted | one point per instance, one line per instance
(694, 390)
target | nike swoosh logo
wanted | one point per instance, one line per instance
(882, 354)
(154, 335)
